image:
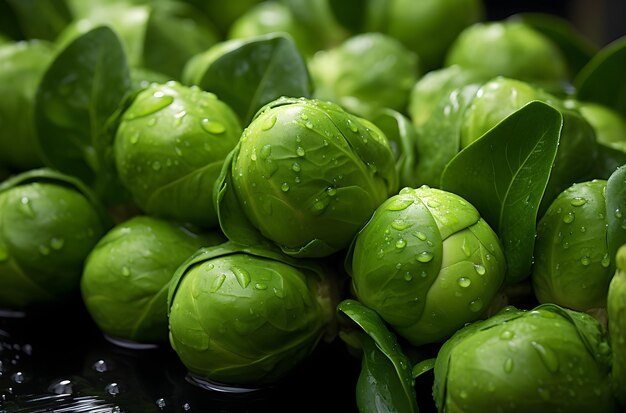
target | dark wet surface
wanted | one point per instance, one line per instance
(57, 361)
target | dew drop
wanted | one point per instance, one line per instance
(568, 218)
(318, 207)
(476, 305)
(585, 260)
(401, 243)
(507, 335)
(508, 365)
(160, 403)
(260, 286)
(464, 282)
(18, 377)
(150, 105)
(432, 204)
(265, 151)
(421, 236)
(242, 276)
(578, 201)
(408, 276)
(61, 387)
(547, 356)
(296, 167)
(253, 156)
(300, 151)
(279, 293)
(212, 126)
(217, 283)
(480, 269)
(352, 126)
(26, 207)
(331, 191)
(113, 389)
(186, 407)
(308, 124)
(424, 257)
(268, 123)
(618, 213)
(606, 261)
(399, 204)
(100, 366)
(284, 187)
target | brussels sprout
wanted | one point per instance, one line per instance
(49, 223)
(577, 152)
(305, 175)
(427, 27)
(160, 36)
(511, 49)
(572, 263)
(126, 276)
(22, 65)
(392, 70)
(248, 316)
(549, 359)
(616, 308)
(169, 149)
(428, 91)
(271, 17)
(427, 263)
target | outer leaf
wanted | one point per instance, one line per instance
(81, 89)
(602, 79)
(504, 175)
(259, 71)
(616, 212)
(379, 389)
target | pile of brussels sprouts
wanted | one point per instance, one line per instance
(245, 180)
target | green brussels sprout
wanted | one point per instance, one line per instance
(160, 36)
(169, 149)
(427, 263)
(49, 223)
(126, 276)
(305, 175)
(22, 65)
(427, 27)
(500, 97)
(392, 70)
(549, 359)
(272, 17)
(616, 309)
(428, 91)
(572, 263)
(248, 316)
(510, 49)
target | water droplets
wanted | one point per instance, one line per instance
(585, 260)
(549, 359)
(465, 247)
(508, 365)
(606, 260)
(284, 187)
(399, 204)
(265, 151)
(18, 377)
(212, 126)
(352, 126)
(296, 167)
(100, 366)
(161, 404)
(152, 104)
(507, 335)
(424, 257)
(26, 207)
(476, 305)
(569, 217)
(421, 236)
(112, 388)
(242, 276)
(300, 151)
(401, 243)
(578, 201)
(268, 123)
(400, 224)
(480, 269)
(260, 286)
(331, 191)
(217, 283)
(464, 282)
(61, 387)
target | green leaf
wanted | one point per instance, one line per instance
(576, 48)
(81, 89)
(504, 175)
(41, 19)
(260, 70)
(402, 138)
(386, 381)
(602, 79)
(440, 138)
(616, 212)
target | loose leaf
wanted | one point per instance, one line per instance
(259, 71)
(602, 79)
(504, 175)
(386, 383)
(81, 89)
(616, 212)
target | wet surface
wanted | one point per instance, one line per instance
(57, 361)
